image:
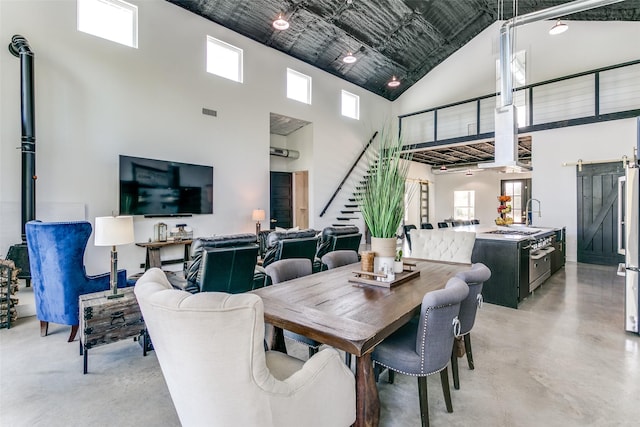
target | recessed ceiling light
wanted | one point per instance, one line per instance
(559, 28)
(394, 82)
(349, 58)
(280, 23)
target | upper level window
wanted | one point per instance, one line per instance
(298, 86)
(113, 20)
(464, 204)
(350, 105)
(224, 60)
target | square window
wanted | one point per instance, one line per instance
(113, 20)
(224, 60)
(464, 205)
(350, 105)
(298, 86)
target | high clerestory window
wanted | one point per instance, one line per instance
(113, 20)
(298, 86)
(350, 105)
(224, 60)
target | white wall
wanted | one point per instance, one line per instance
(96, 99)
(470, 72)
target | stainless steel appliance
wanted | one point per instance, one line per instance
(540, 261)
(629, 233)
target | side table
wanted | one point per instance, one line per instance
(104, 321)
(152, 258)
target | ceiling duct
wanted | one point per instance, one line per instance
(506, 123)
(284, 152)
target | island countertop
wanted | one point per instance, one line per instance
(485, 232)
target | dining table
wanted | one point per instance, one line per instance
(335, 308)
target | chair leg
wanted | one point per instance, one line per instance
(467, 346)
(312, 351)
(74, 331)
(424, 401)
(347, 359)
(444, 377)
(391, 376)
(454, 368)
(44, 328)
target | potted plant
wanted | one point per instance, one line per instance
(383, 196)
(398, 265)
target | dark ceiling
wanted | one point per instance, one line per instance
(403, 38)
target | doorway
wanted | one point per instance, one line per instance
(281, 201)
(597, 191)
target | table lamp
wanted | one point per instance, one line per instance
(258, 215)
(112, 231)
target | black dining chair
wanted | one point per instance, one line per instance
(407, 233)
(475, 222)
(442, 225)
(422, 347)
(426, 226)
(474, 279)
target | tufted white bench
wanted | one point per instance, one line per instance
(443, 245)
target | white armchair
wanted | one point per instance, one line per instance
(210, 349)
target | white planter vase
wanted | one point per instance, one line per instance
(397, 267)
(385, 252)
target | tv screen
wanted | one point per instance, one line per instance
(162, 188)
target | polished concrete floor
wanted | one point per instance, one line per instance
(561, 359)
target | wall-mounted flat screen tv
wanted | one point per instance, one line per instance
(162, 188)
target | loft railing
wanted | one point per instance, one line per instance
(608, 93)
(335, 193)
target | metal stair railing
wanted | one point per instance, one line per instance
(335, 193)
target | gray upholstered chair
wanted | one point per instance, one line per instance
(474, 278)
(210, 349)
(339, 258)
(423, 346)
(289, 269)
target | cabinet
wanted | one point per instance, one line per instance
(509, 265)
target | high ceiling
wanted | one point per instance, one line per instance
(403, 38)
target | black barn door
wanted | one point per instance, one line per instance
(281, 200)
(598, 213)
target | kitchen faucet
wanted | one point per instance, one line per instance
(528, 221)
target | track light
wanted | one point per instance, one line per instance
(280, 23)
(559, 28)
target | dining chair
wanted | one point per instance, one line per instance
(289, 269)
(474, 278)
(407, 233)
(443, 225)
(209, 348)
(423, 346)
(339, 258)
(426, 226)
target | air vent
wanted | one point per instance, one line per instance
(209, 112)
(283, 152)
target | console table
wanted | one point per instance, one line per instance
(152, 258)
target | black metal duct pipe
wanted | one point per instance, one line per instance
(19, 47)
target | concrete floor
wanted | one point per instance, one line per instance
(562, 359)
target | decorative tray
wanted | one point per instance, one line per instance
(369, 278)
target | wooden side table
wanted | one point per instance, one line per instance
(105, 321)
(152, 258)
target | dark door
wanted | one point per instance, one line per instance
(281, 200)
(598, 213)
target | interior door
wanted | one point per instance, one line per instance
(598, 213)
(281, 200)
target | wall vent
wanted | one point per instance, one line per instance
(209, 112)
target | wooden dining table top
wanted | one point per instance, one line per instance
(352, 317)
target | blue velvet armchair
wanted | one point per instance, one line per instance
(56, 258)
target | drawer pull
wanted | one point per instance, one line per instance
(117, 317)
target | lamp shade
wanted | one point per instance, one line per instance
(258, 215)
(114, 230)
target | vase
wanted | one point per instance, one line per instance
(398, 267)
(385, 250)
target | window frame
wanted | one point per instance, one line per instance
(470, 208)
(85, 27)
(308, 79)
(356, 98)
(212, 41)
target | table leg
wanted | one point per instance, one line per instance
(153, 258)
(367, 401)
(276, 340)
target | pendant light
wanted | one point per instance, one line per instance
(394, 82)
(559, 28)
(443, 168)
(468, 173)
(280, 23)
(349, 58)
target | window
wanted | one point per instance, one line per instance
(298, 86)
(113, 20)
(224, 60)
(464, 205)
(350, 105)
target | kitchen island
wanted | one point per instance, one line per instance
(520, 259)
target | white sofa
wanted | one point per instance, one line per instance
(211, 352)
(442, 245)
